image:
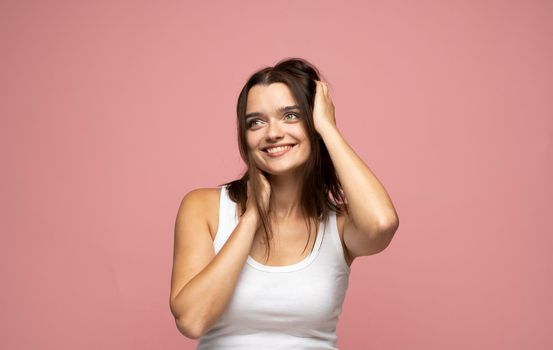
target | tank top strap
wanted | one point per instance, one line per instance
(227, 219)
(336, 240)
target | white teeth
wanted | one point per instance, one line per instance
(278, 149)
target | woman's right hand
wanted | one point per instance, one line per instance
(265, 193)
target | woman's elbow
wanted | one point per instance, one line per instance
(188, 330)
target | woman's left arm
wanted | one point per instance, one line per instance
(371, 209)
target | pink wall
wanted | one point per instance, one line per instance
(112, 110)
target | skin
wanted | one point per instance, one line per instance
(275, 127)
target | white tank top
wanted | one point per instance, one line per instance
(282, 307)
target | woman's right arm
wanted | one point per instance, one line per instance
(202, 283)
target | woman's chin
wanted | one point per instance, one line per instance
(277, 172)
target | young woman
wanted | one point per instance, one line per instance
(263, 262)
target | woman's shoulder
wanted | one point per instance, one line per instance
(204, 195)
(207, 201)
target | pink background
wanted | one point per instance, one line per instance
(112, 110)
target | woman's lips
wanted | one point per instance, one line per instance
(276, 154)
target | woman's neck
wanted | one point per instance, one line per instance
(285, 201)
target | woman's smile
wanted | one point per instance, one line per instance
(279, 151)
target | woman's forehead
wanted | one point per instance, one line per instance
(269, 98)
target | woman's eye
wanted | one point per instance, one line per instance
(251, 123)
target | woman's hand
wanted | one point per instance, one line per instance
(323, 109)
(265, 193)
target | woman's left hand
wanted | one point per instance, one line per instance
(323, 109)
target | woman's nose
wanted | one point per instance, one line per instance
(274, 131)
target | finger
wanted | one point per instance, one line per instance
(318, 87)
(325, 88)
(321, 85)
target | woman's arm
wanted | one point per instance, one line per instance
(202, 284)
(372, 212)
(371, 208)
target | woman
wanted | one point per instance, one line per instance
(263, 262)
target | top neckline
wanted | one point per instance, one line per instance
(280, 268)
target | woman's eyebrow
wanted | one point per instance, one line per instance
(281, 109)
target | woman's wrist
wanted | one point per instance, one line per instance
(251, 215)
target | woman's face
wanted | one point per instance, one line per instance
(272, 119)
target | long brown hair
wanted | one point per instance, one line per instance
(320, 189)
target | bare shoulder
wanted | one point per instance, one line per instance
(207, 199)
(340, 221)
